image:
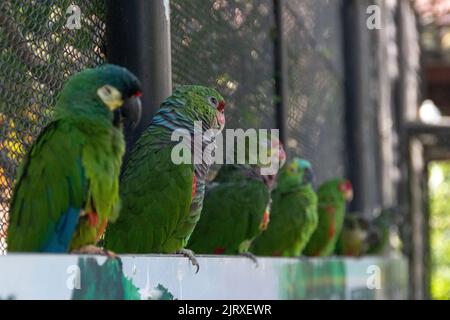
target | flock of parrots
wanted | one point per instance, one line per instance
(69, 194)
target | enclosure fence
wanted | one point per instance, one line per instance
(37, 55)
(233, 46)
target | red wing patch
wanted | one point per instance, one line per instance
(194, 186)
(349, 253)
(93, 218)
(316, 253)
(265, 221)
(276, 254)
(219, 250)
(331, 231)
(331, 209)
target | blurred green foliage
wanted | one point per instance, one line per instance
(440, 229)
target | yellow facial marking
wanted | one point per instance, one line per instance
(110, 96)
(293, 167)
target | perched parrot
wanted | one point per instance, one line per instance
(161, 197)
(332, 197)
(67, 188)
(236, 208)
(379, 231)
(354, 235)
(293, 217)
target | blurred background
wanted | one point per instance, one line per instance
(361, 88)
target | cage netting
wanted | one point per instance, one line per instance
(37, 54)
(230, 45)
(315, 108)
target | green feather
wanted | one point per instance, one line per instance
(74, 161)
(332, 205)
(159, 212)
(233, 210)
(293, 217)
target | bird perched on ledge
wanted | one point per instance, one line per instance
(293, 217)
(236, 208)
(332, 197)
(353, 240)
(162, 200)
(67, 187)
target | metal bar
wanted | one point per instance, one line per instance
(354, 100)
(280, 72)
(417, 127)
(410, 186)
(138, 37)
(403, 149)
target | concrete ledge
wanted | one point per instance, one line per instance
(33, 276)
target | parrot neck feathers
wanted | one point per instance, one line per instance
(168, 119)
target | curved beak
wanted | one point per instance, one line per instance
(131, 111)
(348, 195)
(220, 115)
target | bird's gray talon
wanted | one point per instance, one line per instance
(252, 257)
(191, 256)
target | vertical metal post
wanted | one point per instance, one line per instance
(354, 100)
(280, 71)
(404, 154)
(138, 37)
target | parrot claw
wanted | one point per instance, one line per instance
(191, 256)
(251, 256)
(91, 249)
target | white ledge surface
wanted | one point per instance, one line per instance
(44, 276)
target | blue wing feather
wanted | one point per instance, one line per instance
(59, 240)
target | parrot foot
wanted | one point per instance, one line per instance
(251, 256)
(91, 249)
(191, 256)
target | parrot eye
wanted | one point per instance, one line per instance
(108, 90)
(213, 101)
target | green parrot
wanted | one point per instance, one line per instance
(379, 231)
(161, 196)
(354, 235)
(67, 187)
(236, 208)
(293, 217)
(332, 197)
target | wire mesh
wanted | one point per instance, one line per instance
(228, 45)
(37, 54)
(315, 110)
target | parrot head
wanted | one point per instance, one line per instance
(354, 236)
(297, 172)
(102, 92)
(277, 157)
(355, 220)
(346, 189)
(198, 103)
